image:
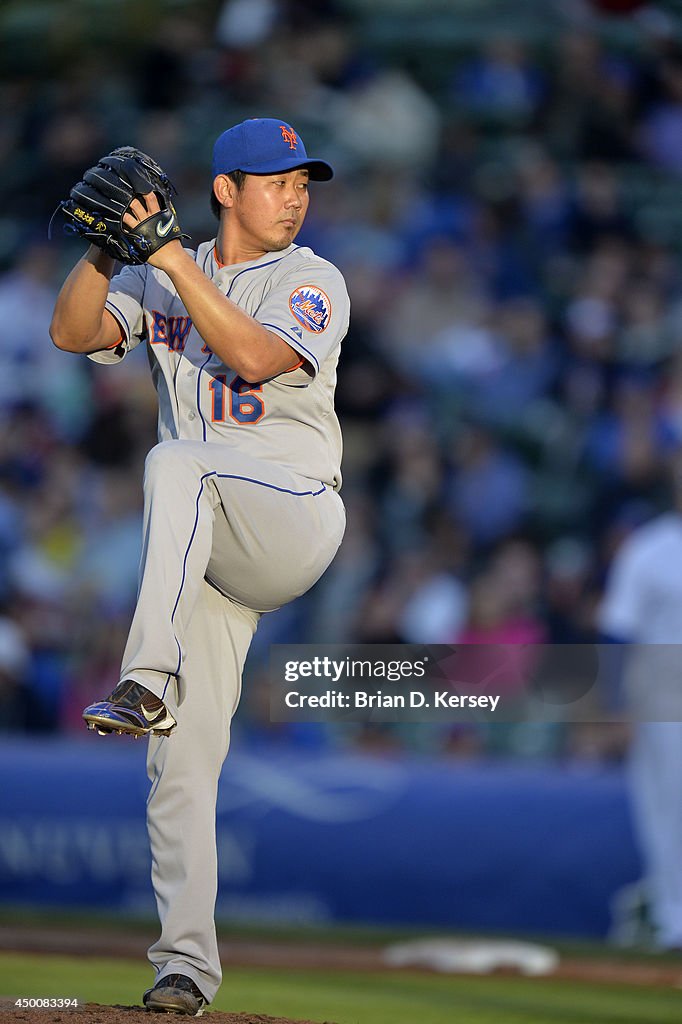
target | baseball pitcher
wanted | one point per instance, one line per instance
(242, 508)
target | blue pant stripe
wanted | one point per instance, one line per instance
(224, 476)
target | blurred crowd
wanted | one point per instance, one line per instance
(506, 214)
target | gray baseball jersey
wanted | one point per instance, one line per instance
(288, 420)
(242, 514)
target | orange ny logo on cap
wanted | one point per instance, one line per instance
(289, 136)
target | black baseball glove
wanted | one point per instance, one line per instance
(96, 206)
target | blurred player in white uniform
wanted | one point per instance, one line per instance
(642, 606)
(242, 511)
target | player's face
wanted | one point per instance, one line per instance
(269, 211)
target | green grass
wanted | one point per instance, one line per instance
(324, 934)
(347, 997)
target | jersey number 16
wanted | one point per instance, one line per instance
(243, 402)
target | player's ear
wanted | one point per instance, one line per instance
(224, 190)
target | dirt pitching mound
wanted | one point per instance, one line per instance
(93, 1013)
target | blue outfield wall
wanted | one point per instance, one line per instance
(324, 838)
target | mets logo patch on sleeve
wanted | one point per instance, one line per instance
(311, 307)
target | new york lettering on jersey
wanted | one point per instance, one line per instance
(171, 331)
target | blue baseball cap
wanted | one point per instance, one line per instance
(263, 145)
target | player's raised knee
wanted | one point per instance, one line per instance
(166, 460)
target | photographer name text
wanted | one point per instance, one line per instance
(378, 699)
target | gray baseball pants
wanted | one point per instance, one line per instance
(226, 538)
